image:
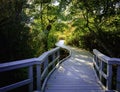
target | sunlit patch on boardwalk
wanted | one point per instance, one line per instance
(75, 74)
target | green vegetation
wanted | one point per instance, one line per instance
(97, 25)
(25, 29)
(30, 27)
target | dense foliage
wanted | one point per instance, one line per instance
(97, 25)
(25, 32)
(14, 35)
(30, 27)
(24, 29)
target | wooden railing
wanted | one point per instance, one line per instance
(108, 71)
(43, 64)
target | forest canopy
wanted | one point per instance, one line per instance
(30, 27)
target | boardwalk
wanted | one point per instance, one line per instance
(76, 74)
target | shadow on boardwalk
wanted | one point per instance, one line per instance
(76, 74)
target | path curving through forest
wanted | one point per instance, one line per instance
(76, 74)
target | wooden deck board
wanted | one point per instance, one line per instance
(72, 90)
(74, 75)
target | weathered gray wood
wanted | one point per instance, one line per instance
(75, 71)
(110, 62)
(114, 61)
(109, 78)
(53, 57)
(102, 74)
(74, 75)
(58, 54)
(46, 63)
(17, 64)
(15, 85)
(38, 70)
(46, 54)
(30, 76)
(101, 56)
(27, 63)
(44, 74)
(96, 65)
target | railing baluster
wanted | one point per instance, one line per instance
(30, 76)
(43, 59)
(99, 63)
(110, 62)
(38, 68)
(101, 70)
(58, 54)
(118, 78)
(53, 57)
(109, 78)
(46, 62)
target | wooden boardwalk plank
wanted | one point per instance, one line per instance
(74, 75)
(72, 90)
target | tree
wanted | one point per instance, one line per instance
(99, 19)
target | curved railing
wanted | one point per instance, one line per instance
(107, 70)
(46, 61)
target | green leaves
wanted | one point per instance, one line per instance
(95, 18)
(86, 18)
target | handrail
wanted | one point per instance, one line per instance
(101, 56)
(38, 62)
(17, 64)
(58, 63)
(104, 66)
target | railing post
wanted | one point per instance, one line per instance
(109, 76)
(101, 69)
(38, 70)
(97, 61)
(95, 58)
(99, 65)
(46, 64)
(30, 76)
(58, 54)
(118, 78)
(53, 57)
